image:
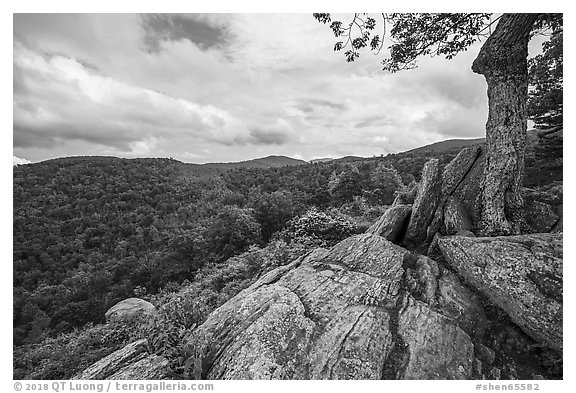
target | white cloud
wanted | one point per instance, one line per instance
(63, 99)
(274, 86)
(20, 161)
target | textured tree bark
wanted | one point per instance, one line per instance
(502, 61)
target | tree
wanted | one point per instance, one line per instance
(502, 61)
(271, 210)
(232, 231)
(386, 181)
(345, 185)
(545, 77)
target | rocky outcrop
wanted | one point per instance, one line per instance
(461, 305)
(469, 189)
(455, 172)
(436, 348)
(406, 196)
(115, 361)
(392, 223)
(129, 310)
(520, 274)
(455, 217)
(543, 208)
(443, 203)
(540, 217)
(130, 362)
(425, 204)
(337, 314)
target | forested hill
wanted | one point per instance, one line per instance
(89, 231)
(447, 145)
(264, 162)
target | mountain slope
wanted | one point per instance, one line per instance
(446, 146)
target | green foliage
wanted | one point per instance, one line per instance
(272, 210)
(545, 72)
(63, 356)
(345, 185)
(316, 228)
(362, 213)
(412, 35)
(552, 361)
(87, 231)
(233, 230)
(385, 183)
(544, 158)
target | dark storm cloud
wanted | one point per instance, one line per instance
(174, 27)
(262, 136)
(50, 135)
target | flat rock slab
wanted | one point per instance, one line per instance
(520, 274)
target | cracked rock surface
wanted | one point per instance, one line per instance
(520, 274)
(130, 362)
(336, 314)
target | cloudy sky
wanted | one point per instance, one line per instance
(224, 87)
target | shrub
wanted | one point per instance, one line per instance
(64, 356)
(318, 229)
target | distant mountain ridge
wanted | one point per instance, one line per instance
(318, 160)
(275, 161)
(446, 146)
(264, 162)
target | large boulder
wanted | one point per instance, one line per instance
(392, 222)
(425, 204)
(520, 274)
(336, 314)
(130, 310)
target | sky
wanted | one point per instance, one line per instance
(224, 87)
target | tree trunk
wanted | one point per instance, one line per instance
(503, 62)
